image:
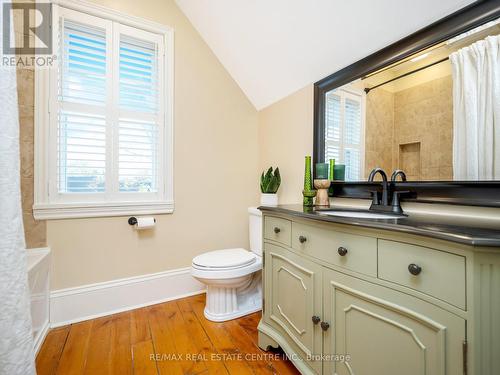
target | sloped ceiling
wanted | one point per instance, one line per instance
(274, 47)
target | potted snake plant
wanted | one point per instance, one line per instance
(269, 184)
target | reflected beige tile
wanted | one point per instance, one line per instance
(25, 87)
(445, 173)
(27, 159)
(27, 193)
(26, 124)
(35, 232)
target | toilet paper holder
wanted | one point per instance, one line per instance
(133, 220)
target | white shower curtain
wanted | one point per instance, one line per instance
(476, 110)
(16, 338)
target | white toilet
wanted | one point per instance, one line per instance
(233, 276)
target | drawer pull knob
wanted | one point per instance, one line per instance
(277, 230)
(316, 319)
(414, 269)
(325, 326)
(342, 251)
(302, 239)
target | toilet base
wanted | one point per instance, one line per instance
(224, 303)
(229, 316)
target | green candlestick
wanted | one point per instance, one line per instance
(308, 191)
(332, 169)
(332, 176)
(308, 186)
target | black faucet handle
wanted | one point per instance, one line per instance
(396, 204)
(375, 200)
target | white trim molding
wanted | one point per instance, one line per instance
(113, 15)
(86, 210)
(81, 303)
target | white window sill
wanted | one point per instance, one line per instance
(88, 210)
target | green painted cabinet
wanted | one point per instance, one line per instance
(342, 300)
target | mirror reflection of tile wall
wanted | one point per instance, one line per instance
(411, 129)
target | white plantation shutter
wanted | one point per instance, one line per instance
(352, 121)
(138, 75)
(138, 156)
(139, 128)
(344, 131)
(81, 153)
(83, 71)
(81, 111)
(332, 126)
(107, 112)
(352, 138)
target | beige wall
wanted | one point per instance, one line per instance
(285, 138)
(216, 174)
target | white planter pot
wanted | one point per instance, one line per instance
(268, 199)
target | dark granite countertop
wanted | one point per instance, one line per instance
(464, 231)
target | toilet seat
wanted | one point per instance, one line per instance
(227, 259)
(237, 265)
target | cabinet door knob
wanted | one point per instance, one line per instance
(342, 251)
(302, 239)
(277, 230)
(414, 269)
(316, 319)
(325, 326)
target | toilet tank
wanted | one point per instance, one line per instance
(255, 230)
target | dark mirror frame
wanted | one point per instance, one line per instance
(473, 15)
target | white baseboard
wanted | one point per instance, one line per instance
(41, 337)
(92, 301)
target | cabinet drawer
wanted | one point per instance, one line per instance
(437, 273)
(359, 252)
(277, 229)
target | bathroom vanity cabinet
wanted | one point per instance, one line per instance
(345, 299)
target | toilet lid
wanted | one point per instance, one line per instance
(228, 258)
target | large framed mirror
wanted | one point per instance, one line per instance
(424, 105)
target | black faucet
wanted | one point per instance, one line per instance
(396, 173)
(385, 187)
(384, 206)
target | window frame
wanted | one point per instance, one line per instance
(359, 96)
(48, 202)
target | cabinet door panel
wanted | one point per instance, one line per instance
(388, 338)
(293, 287)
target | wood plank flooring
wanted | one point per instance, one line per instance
(168, 338)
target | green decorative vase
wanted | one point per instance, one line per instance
(332, 176)
(309, 193)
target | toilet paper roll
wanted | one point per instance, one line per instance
(145, 223)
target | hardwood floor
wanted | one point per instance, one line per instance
(169, 338)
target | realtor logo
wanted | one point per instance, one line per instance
(36, 24)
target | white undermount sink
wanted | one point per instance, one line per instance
(361, 215)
